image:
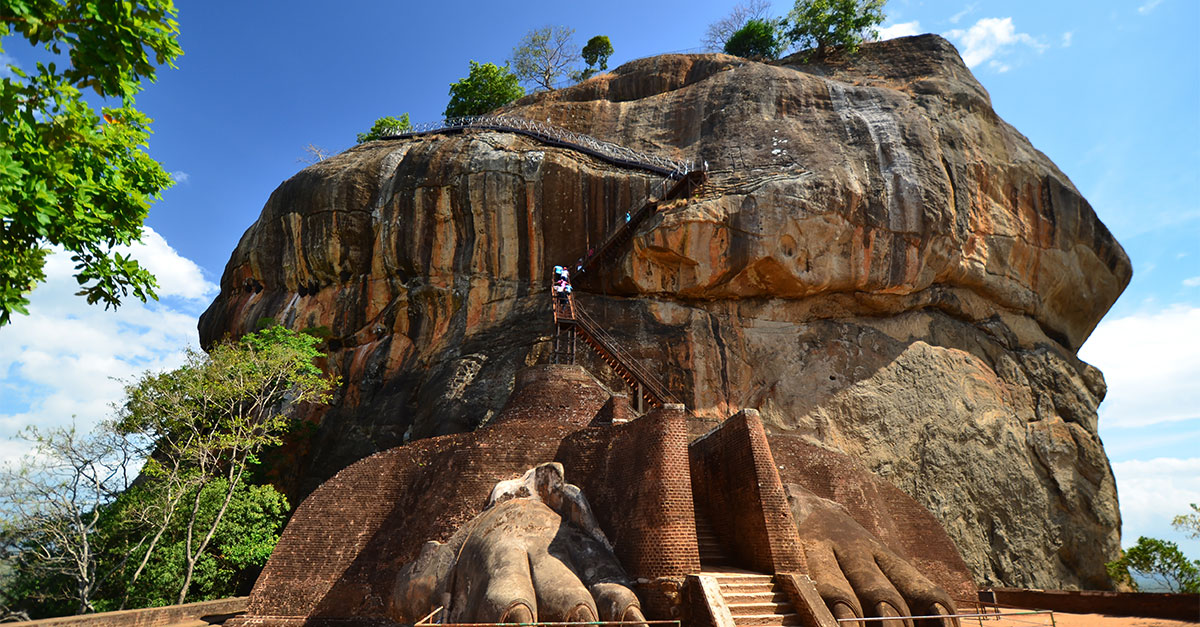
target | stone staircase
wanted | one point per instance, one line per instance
(755, 600)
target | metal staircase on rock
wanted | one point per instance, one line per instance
(683, 185)
(571, 322)
(755, 600)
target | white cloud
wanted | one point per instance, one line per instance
(177, 275)
(1191, 282)
(1066, 38)
(66, 357)
(970, 8)
(1149, 6)
(991, 36)
(1152, 492)
(903, 29)
(1151, 362)
(998, 66)
(179, 176)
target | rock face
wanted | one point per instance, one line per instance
(878, 263)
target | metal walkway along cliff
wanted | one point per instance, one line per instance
(551, 135)
(572, 323)
(681, 179)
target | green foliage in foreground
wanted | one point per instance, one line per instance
(1160, 561)
(386, 124)
(758, 39)
(79, 536)
(828, 24)
(71, 176)
(241, 544)
(486, 88)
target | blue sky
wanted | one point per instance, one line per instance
(1109, 90)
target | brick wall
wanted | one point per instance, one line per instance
(1140, 604)
(339, 555)
(636, 476)
(736, 484)
(616, 410)
(899, 521)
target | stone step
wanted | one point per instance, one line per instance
(728, 577)
(774, 597)
(757, 608)
(767, 620)
(747, 588)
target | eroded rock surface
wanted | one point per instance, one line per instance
(879, 264)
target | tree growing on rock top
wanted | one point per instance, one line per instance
(758, 39)
(385, 126)
(595, 54)
(71, 176)
(544, 56)
(824, 25)
(720, 31)
(485, 88)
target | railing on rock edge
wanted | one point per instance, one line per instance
(551, 134)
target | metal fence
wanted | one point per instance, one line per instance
(435, 617)
(548, 133)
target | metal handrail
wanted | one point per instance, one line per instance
(638, 212)
(879, 619)
(429, 617)
(627, 361)
(547, 132)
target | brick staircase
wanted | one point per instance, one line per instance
(755, 600)
(711, 551)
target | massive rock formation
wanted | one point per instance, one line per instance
(879, 264)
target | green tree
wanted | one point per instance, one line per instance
(758, 39)
(829, 24)
(73, 523)
(544, 56)
(70, 176)
(720, 31)
(1188, 523)
(485, 88)
(595, 54)
(1160, 561)
(51, 514)
(210, 419)
(241, 545)
(384, 126)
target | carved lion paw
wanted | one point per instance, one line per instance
(534, 554)
(855, 574)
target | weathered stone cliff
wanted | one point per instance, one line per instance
(879, 263)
